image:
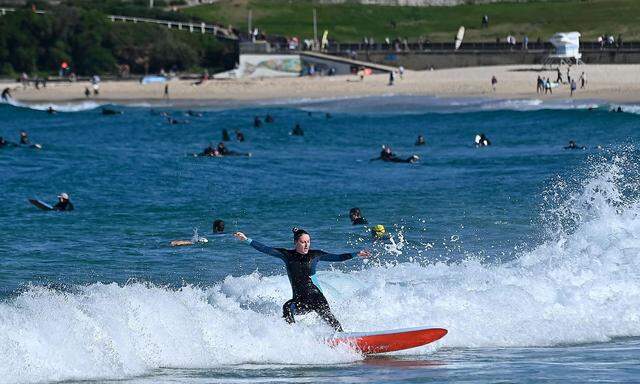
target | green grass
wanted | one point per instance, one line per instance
(350, 22)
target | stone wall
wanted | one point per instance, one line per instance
(450, 59)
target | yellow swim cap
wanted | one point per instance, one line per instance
(378, 230)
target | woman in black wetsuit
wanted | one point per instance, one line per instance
(301, 268)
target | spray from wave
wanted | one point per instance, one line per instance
(577, 286)
(61, 107)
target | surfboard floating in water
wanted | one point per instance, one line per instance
(41, 204)
(370, 343)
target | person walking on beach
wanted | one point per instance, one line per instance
(547, 86)
(540, 85)
(573, 87)
(301, 267)
(559, 78)
(494, 82)
(583, 80)
(166, 91)
(391, 78)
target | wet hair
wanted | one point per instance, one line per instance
(297, 232)
(218, 225)
(355, 211)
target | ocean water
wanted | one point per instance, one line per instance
(527, 253)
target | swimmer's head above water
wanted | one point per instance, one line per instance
(302, 240)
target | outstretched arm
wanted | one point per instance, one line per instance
(258, 246)
(343, 256)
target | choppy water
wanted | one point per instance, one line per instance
(527, 253)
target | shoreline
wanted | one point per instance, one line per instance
(609, 83)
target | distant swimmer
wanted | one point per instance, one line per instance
(257, 123)
(297, 131)
(63, 204)
(51, 111)
(388, 156)
(225, 135)
(218, 226)
(194, 113)
(269, 119)
(301, 265)
(239, 136)
(224, 151)
(5, 143)
(6, 94)
(421, 140)
(210, 152)
(481, 140)
(573, 145)
(356, 217)
(327, 116)
(109, 111)
(24, 138)
(174, 121)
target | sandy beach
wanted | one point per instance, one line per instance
(620, 83)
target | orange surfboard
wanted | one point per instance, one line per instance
(370, 343)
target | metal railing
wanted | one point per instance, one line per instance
(180, 25)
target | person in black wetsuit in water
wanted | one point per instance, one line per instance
(301, 267)
(63, 204)
(387, 155)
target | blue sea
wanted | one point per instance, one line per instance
(529, 254)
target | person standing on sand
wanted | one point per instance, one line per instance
(494, 82)
(166, 91)
(391, 78)
(559, 78)
(583, 80)
(573, 87)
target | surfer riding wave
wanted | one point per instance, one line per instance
(301, 268)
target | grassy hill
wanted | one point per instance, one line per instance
(351, 22)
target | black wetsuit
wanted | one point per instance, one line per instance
(301, 270)
(359, 221)
(63, 206)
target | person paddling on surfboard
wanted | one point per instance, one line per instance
(301, 267)
(63, 204)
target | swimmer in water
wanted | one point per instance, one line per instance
(63, 204)
(51, 111)
(269, 119)
(218, 226)
(301, 267)
(388, 156)
(225, 135)
(24, 138)
(573, 145)
(210, 152)
(297, 131)
(5, 143)
(224, 151)
(356, 217)
(379, 233)
(239, 136)
(257, 123)
(482, 141)
(194, 113)
(421, 140)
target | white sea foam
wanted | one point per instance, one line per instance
(580, 285)
(61, 107)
